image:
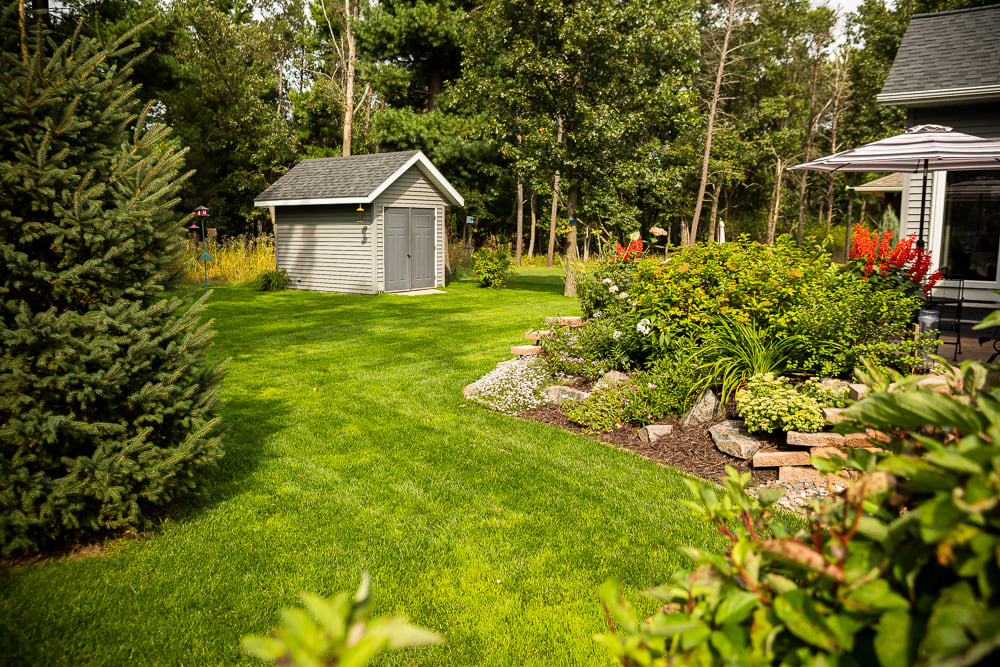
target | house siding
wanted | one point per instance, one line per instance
(324, 249)
(981, 120)
(411, 190)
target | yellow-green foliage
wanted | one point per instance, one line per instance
(235, 261)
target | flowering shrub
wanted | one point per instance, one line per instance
(633, 251)
(513, 387)
(771, 404)
(902, 266)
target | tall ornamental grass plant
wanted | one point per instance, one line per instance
(235, 261)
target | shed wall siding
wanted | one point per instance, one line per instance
(324, 249)
(411, 190)
(981, 120)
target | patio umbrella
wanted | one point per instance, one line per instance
(923, 148)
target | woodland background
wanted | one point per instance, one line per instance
(649, 114)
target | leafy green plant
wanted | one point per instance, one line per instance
(739, 350)
(271, 281)
(336, 632)
(898, 570)
(833, 397)
(771, 404)
(493, 265)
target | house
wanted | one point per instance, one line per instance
(947, 72)
(361, 224)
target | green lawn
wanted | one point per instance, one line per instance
(349, 449)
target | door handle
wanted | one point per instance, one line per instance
(407, 254)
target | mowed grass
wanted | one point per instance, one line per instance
(348, 450)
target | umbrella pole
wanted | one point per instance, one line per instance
(923, 199)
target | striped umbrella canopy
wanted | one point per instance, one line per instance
(923, 148)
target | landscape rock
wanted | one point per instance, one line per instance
(706, 409)
(834, 383)
(833, 415)
(731, 437)
(653, 432)
(821, 439)
(858, 391)
(775, 458)
(558, 394)
(790, 474)
(610, 379)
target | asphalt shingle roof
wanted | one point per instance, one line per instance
(334, 177)
(948, 50)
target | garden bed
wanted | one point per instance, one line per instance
(689, 449)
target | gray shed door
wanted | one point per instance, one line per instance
(409, 249)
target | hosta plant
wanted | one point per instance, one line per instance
(899, 569)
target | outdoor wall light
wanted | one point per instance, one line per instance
(361, 214)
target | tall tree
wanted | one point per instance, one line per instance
(107, 404)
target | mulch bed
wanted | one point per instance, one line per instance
(687, 448)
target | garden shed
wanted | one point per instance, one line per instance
(361, 224)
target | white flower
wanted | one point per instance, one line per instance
(597, 313)
(607, 281)
(613, 289)
(651, 385)
(616, 335)
(623, 295)
(643, 326)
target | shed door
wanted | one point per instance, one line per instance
(409, 249)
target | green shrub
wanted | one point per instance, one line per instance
(827, 397)
(271, 281)
(771, 404)
(336, 632)
(898, 570)
(667, 390)
(107, 404)
(493, 265)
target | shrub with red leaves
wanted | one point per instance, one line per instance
(901, 266)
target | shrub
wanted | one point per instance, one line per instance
(899, 569)
(234, 260)
(835, 397)
(339, 632)
(107, 404)
(271, 281)
(667, 390)
(493, 265)
(513, 387)
(771, 404)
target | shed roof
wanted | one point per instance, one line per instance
(355, 179)
(947, 58)
(890, 183)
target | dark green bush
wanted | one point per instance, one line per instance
(735, 351)
(493, 265)
(107, 404)
(271, 281)
(900, 569)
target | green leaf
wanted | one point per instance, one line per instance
(670, 625)
(695, 636)
(951, 460)
(768, 496)
(895, 644)
(735, 607)
(267, 649)
(332, 615)
(400, 633)
(873, 529)
(939, 517)
(800, 616)
(876, 596)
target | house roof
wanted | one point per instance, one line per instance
(890, 183)
(947, 58)
(355, 179)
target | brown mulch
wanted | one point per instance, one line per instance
(688, 448)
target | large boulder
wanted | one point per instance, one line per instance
(707, 408)
(610, 379)
(559, 394)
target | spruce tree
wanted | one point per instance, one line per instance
(107, 403)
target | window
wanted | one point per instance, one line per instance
(972, 225)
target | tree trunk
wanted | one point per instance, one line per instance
(534, 221)
(555, 202)
(713, 215)
(520, 219)
(571, 251)
(772, 220)
(586, 242)
(712, 108)
(349, 78)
